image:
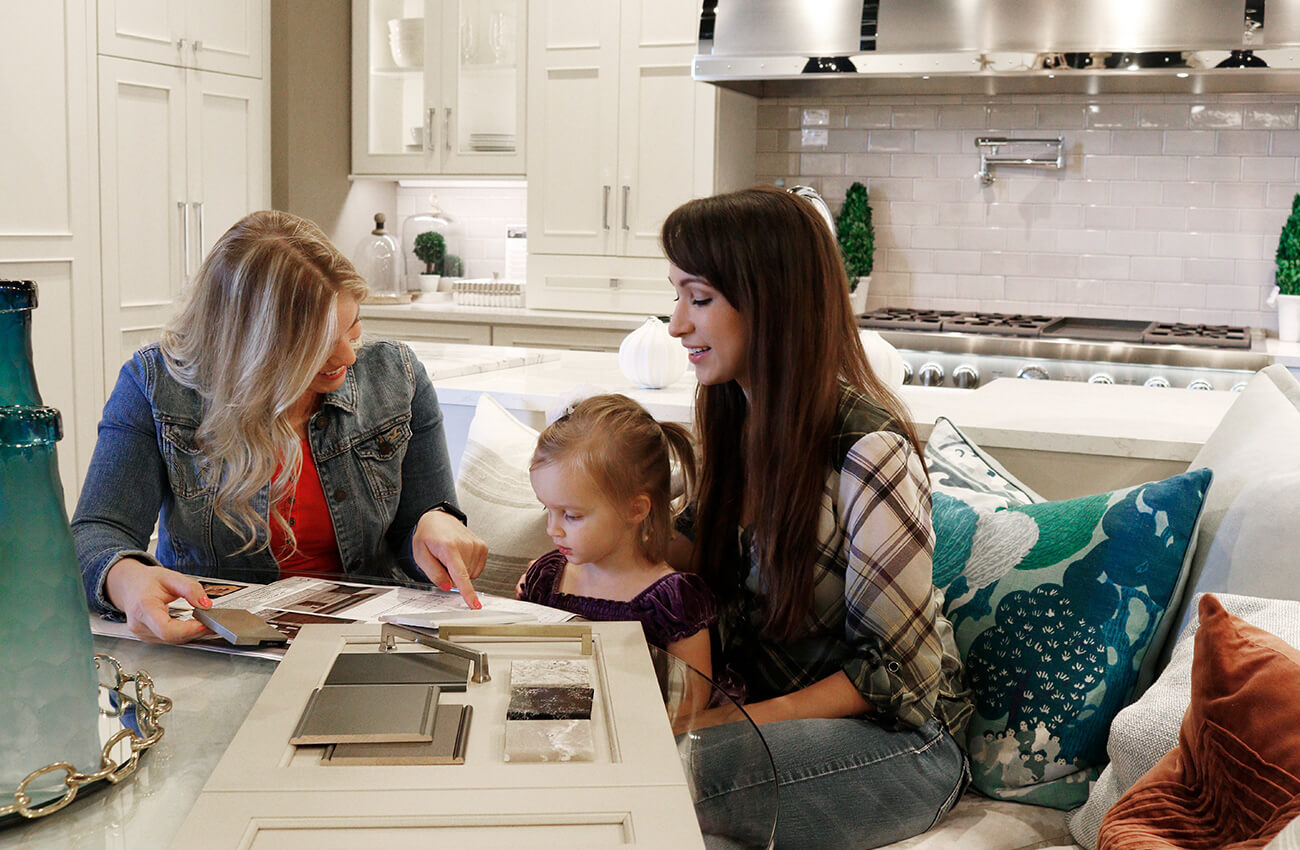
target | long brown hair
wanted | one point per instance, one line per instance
(776, 262)
(256, 325)
(620, 447)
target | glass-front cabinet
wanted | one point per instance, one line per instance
(438, 87)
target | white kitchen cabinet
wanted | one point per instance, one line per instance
(454, 106)
(183, 155)
(619, 135)
(226, 36)
(467, 333)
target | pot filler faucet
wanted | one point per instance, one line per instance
(819, 203)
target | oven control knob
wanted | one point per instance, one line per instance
(1238, 387)
(1101, 378)
(1033, 373)
(966, 376)
(907, 372)
(1200, 384)
(1157, 381)
(930, 375)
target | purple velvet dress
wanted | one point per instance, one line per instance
(673, 607)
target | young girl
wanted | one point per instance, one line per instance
(827, 607)
(603, 473)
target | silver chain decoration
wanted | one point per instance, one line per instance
(149, 707)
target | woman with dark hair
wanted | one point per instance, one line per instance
(812, 527)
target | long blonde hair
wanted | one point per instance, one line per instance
(621, 449)
(256, 326)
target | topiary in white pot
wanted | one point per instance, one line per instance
(857, 241)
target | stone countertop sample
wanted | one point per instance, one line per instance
(449, 312)
(1124, 421)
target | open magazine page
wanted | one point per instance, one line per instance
(291, 603)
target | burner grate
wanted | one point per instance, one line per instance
(904, 319)
(1010, 324)
(1179, 333)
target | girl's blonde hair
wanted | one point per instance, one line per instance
(625, 452)
(257, 324)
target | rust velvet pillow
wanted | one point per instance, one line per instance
(1234, 778)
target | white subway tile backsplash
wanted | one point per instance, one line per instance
(1244, 143)
(1190, 141)
(1169, 206)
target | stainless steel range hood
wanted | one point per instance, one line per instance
(775, 48)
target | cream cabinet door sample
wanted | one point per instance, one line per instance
(265, 792)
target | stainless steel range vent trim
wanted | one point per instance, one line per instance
(830, 47)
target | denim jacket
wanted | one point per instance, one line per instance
(378, 445)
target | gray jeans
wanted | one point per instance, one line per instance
(843, 783)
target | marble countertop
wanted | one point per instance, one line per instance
(450, 312)
(449, 360)
(1127, 421)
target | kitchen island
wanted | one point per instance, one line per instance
(1059, 437)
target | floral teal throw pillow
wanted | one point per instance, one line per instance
(1056, 607)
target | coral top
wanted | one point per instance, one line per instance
(309, 515)
(672, 607)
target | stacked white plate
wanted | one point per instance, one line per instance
(406, 40)
(492, 141)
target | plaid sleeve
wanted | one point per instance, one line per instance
(892, 613)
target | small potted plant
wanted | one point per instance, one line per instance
(1286, 295)
(430, 249)
(857, 244)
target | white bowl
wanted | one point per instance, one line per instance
(406, 26)
(407, 54)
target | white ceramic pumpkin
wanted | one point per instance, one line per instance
(649, 357)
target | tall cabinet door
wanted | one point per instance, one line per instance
(572, 126)
(227, 151)
(227, 35)
(143, 201)
(151, 30)
(660, 120)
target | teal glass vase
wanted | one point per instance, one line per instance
(48, 682)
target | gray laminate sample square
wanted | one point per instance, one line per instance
(450, 736)
(449, 672)
(361, 714)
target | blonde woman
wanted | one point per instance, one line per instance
(265, 440)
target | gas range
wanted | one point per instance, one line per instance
(966, 349)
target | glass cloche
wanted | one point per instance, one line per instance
(379, 261)
(431, 260)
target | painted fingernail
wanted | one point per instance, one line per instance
(205, 602)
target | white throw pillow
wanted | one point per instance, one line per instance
(495, 493)
(1146, 730)
(1248, 536)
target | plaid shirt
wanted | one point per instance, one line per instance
(875, 614)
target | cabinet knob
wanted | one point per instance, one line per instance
(613, 283)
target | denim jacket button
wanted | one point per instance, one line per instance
(340, 494)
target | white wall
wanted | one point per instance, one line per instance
(1169, 207)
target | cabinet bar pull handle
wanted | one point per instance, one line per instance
(185, 234)
(430, 120)
(199, 206)
(604, 209)
(197, 45)
(180, 43)
(627, 190)
(446, 129)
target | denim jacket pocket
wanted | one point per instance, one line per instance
(185, 462)
(381, 455)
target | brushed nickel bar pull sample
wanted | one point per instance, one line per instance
(185, 234)
(627, 190)
(990, 147)
(391, 631)
(604, 208)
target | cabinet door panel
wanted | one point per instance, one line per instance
(227, 150)
(227, 35)
(483, 50)
(396, 112)
(573, 127)
(657, 120)
(143, 29)
(142, 180)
